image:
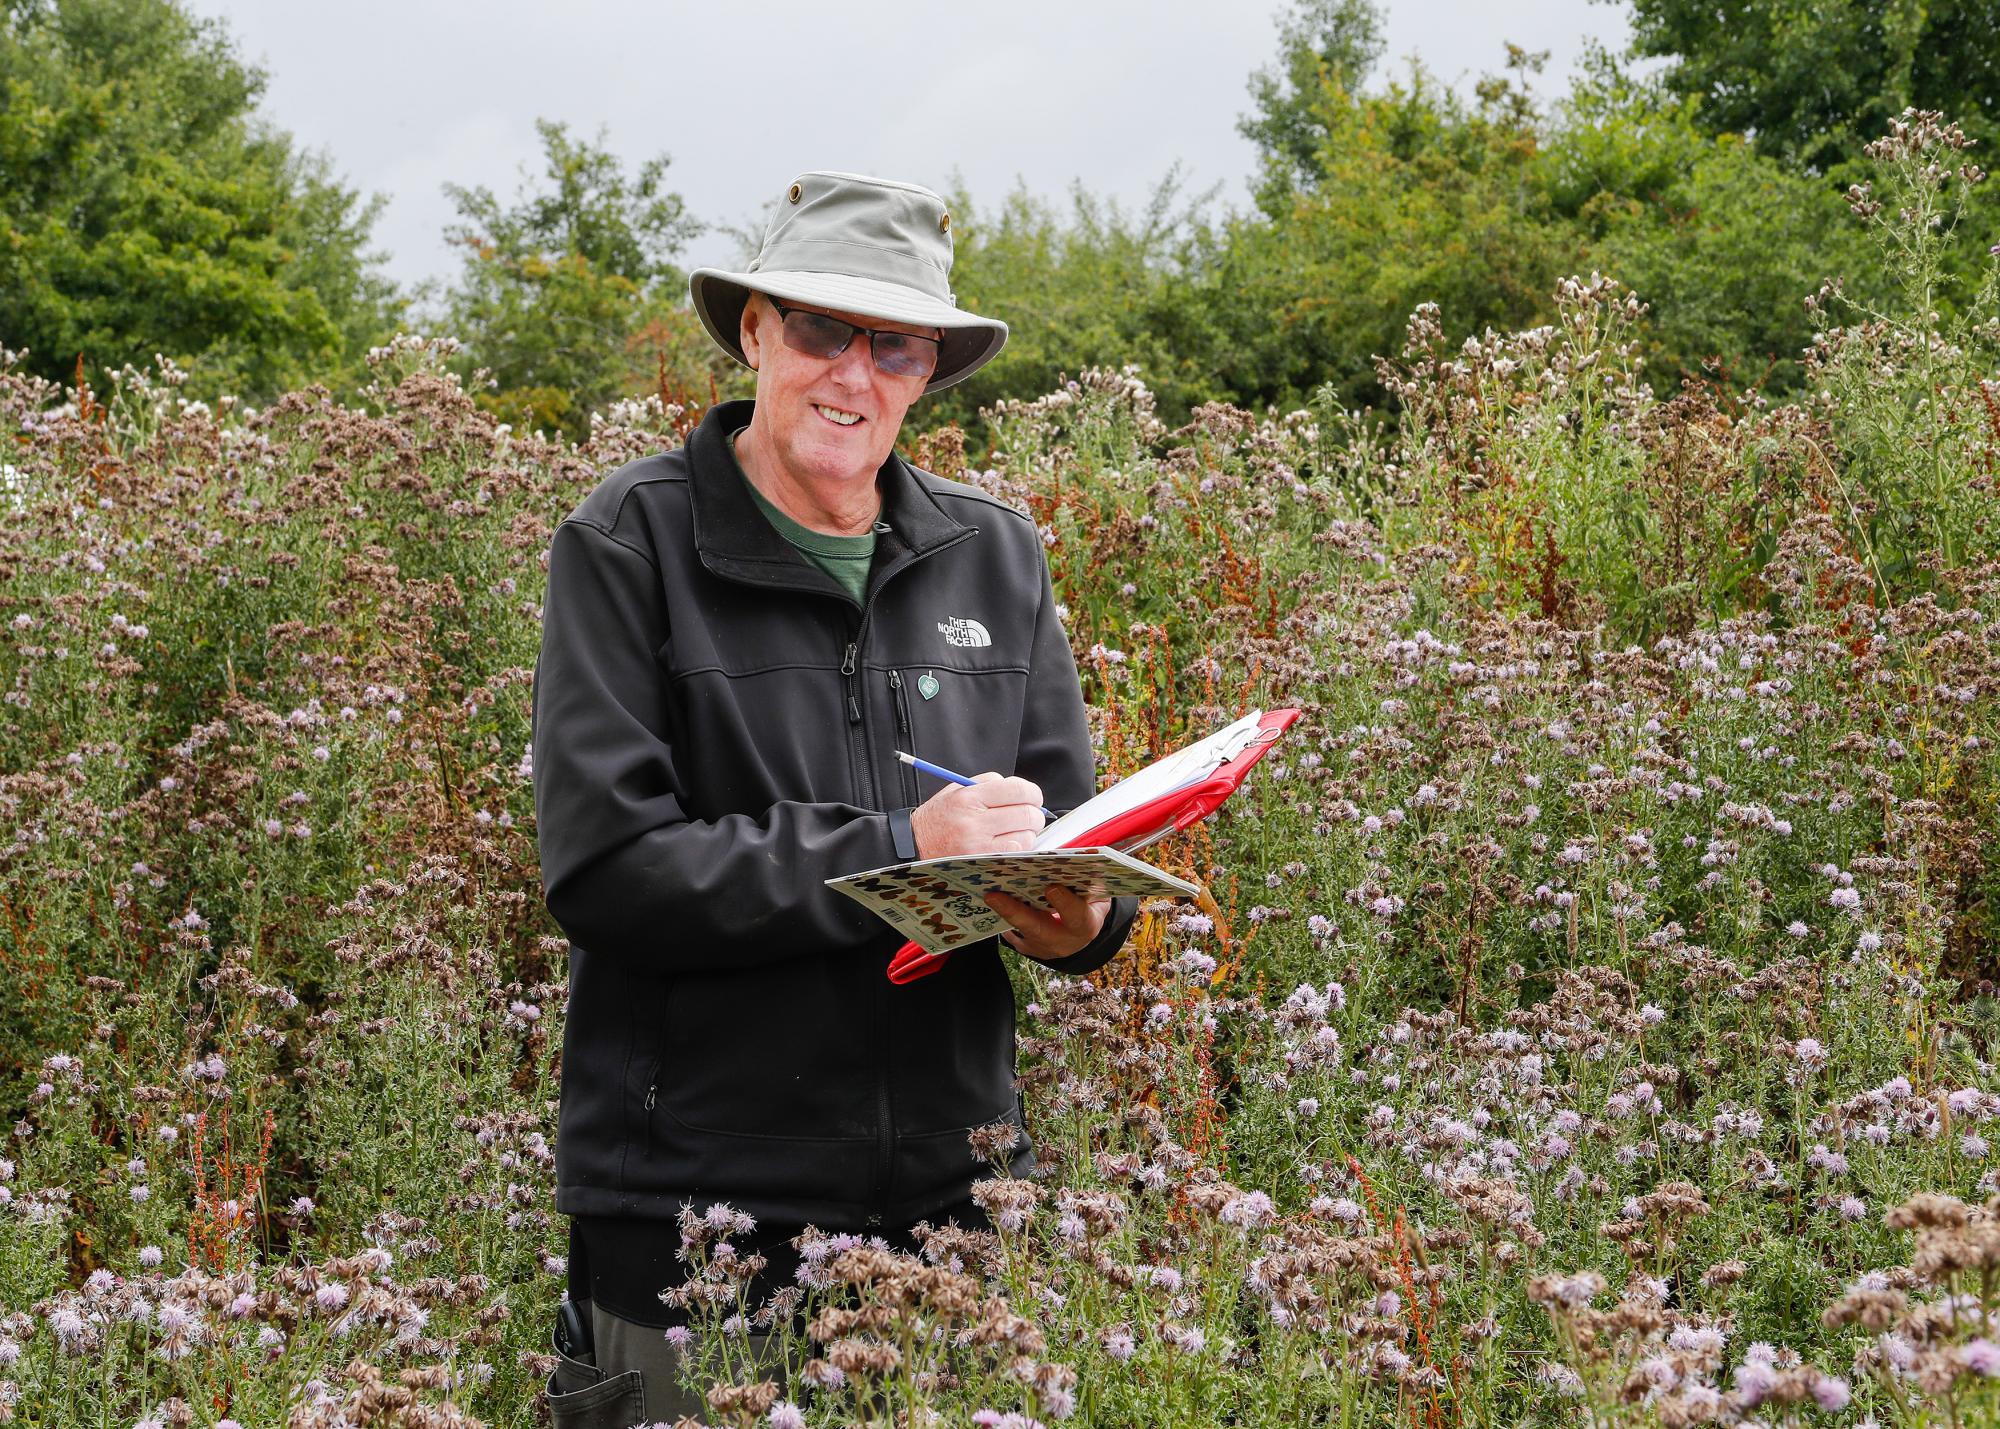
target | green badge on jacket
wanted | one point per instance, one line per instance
(927, 685)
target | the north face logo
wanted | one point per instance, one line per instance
(957, 631)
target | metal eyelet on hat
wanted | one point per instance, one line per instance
(944, 223)
(796, 193)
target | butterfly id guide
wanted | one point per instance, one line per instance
(938, 903)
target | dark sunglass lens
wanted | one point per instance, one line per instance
(816, 335)
(903, 355)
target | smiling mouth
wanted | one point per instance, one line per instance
(838, 416)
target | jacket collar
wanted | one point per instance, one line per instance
(733, 538)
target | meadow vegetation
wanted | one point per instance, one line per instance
(1589, 1020)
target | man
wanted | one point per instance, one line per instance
(737, 637)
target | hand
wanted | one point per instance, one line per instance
(1047, 936)
(992, 815)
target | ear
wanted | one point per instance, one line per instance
(747, 329)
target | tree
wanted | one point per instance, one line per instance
(145, 209)
(1723, 242)
(1089, 285)
(1322, 45)
(1408, 195)
(1810, 83)
(570, 296)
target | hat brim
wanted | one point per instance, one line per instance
(970, 341)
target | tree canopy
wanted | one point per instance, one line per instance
(570, 296)
(1810, 84)
(145, 209)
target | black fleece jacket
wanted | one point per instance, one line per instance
(714, 727)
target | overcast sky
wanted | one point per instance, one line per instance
(407, 96)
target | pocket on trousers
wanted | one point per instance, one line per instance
(580, 1397)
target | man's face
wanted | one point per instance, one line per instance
(793, 388)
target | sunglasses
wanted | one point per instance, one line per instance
(900, 354)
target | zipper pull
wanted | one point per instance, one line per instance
(902, 708)
(847, 669)
(649, 1095)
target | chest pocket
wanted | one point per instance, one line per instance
(968, 720)
(757, 701)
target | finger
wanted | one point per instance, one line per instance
(1010, 819)
(1024, 916)
(1011, 790)
(1066, 901)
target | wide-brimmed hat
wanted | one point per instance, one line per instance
(871, 247)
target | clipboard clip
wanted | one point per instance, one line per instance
(1249, 739)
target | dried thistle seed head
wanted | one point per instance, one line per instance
(749, 1400)
(861, 1358)
(994, 1143)
(1008, 1202)
(1873, 1310)
(1101, 1212)
(1928, 1208)
(1724, 1273)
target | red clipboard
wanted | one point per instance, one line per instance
(1137, 827)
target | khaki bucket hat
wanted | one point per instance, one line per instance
(872, 247)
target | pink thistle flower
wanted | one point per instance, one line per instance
(1981, 1356)
(69, 1329)
(1754, 1381)
(1249, 1211)
(1832, 1393)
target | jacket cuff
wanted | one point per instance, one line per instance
(901, 835)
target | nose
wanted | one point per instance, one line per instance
(855, 367)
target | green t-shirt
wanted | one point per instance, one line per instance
(846, 558)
